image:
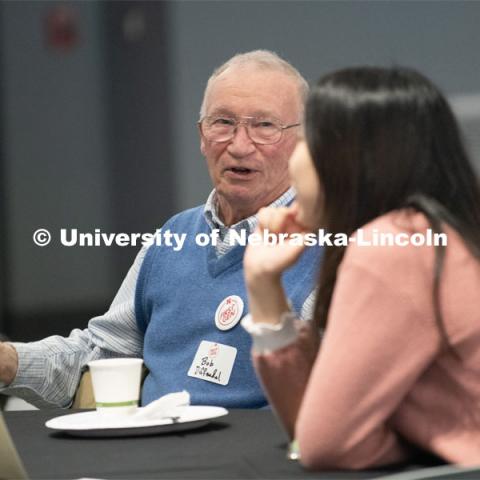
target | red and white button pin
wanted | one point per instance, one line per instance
(229, 312)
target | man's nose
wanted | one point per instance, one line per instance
(241, 144)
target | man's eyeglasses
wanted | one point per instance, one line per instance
(263, 131)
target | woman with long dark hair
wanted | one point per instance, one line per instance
(384, 170)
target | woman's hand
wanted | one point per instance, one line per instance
(269, 258)
(264, 263)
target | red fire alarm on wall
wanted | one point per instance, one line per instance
(62, 28)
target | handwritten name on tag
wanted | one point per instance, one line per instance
(213, 362)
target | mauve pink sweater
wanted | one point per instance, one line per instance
(382, 372)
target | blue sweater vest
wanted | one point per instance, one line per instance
(176, 298)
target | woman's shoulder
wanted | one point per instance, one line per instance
(399, 221)
(409, 269)
(393, 237)
(402, 243)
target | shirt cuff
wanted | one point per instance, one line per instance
(267, 337)
(25, 362)
(29, 382)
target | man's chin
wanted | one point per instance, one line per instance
(244, 194)
(241, 200)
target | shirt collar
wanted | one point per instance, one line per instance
(212, 217)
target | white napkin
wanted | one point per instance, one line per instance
(170, 405)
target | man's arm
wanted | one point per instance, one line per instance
(46, 373)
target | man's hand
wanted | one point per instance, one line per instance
(8, 363)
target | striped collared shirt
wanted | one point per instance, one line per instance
(248, 224)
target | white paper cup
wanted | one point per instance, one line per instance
(116, 384)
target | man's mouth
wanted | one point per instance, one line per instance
(240, 170)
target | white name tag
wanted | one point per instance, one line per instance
(213, 362)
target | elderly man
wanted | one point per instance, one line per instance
(180, 310)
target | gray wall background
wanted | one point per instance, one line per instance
(59, 169)
(55, 158)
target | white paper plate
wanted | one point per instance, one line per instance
(94, 424)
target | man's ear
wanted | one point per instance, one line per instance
(202, 141)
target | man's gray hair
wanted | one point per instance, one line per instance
(263, 60)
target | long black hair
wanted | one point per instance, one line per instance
(384, 139)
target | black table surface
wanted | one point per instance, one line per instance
(245, 444)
